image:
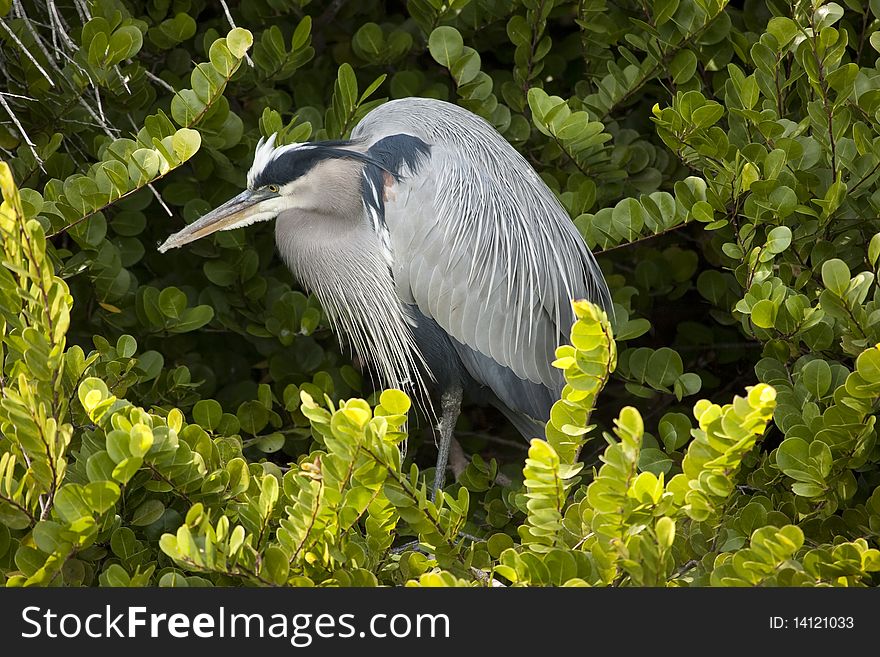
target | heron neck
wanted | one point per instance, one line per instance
(342, 263)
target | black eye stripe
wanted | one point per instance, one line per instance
(290, 165)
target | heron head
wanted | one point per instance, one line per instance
(311, 177)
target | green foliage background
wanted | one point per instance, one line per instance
(188, 419)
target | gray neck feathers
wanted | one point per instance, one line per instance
(339, 258)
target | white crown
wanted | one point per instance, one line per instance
(266, 152)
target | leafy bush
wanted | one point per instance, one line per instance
(188, 419)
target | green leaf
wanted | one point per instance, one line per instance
(172, 302)
(124, 43)
(749, 176)
(101, 495)
(143, 166)
(369, 39)
(48, 537)
(270, 443)
(100, 467)
(395, 402)
(126, 346)
(147, 513)
(674, 429)
(784, 29)
(764, 314)
(816, 376)
(683, 66)
(70, 505)
(665, 529)
(663, 10)
(127, 468)
(687, 384)
(778, 239)
(628, 219)
(207, 413)
(874, 250)
(836, 276)
(664, 368)
(276, 565)
(239, 41)
(185, 143)
(192, 318)
(253, 416)
(793, 456)
(115, 575)
(445, 45)
(707, 115)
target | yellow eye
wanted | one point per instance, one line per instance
(272, 188)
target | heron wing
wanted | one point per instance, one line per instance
(481, 245)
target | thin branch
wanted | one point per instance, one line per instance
(37, 38)
(26, 51)
(59, 26)
(690, 565)
(83, 11)
(159, 198)
(122, 78)
(22, 132)
(537, 33)
(12, 95)
(107, 205)
(100, 107)
(21, 508)
(160, 82)
(104, 126)
(175, 489)
(823, 88)
(642, 239)
(865, 177)
(312, 520)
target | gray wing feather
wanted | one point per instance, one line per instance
(525, 399)
(482, 246)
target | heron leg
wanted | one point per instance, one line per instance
(450, 407)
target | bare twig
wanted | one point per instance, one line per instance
(91, 124)
(685, 568)
(21, 131)
(161, 200)
(100, 106)
(12, 95)
(122, 78)
(59, 27)
(26, 52)
(411, 545)
(82, 9)
(102, 122)
(37, 38)
(642, 239)
(160, 82)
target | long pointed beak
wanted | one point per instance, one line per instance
(241, 210)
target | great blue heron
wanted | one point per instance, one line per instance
(435, 248)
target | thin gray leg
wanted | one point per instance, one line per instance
(450, 407)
